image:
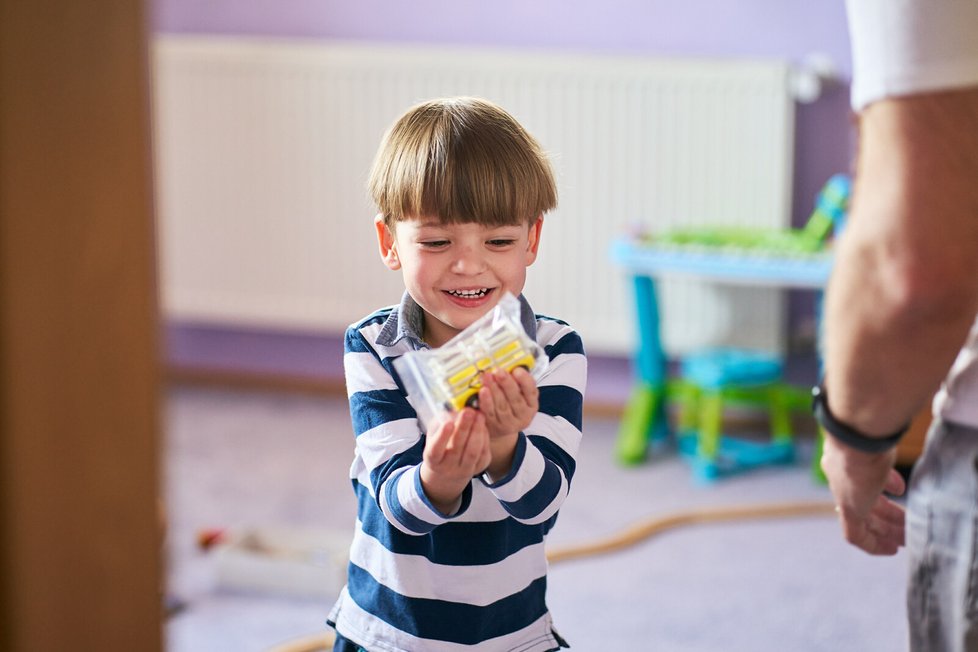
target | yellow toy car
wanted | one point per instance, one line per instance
(458, 375)
(449, 378)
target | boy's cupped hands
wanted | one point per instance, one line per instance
(470, 442)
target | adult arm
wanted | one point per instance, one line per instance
(904, 292)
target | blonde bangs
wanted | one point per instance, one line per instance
(461, 160)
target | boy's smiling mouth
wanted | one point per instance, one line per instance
(474, 294)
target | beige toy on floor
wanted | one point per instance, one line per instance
(304, 563)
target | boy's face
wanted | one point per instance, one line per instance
(458, 272)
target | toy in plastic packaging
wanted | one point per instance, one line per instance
(448, 378)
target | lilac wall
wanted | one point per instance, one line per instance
(777, 28)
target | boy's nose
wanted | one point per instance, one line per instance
(468, 261)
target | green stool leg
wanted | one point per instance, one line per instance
(644, 408)
(817, 458)
(688, 398)
(711, 415)
(706, 467)
(781, 431)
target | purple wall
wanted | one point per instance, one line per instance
(769, 28)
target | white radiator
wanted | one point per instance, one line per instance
(263, 147)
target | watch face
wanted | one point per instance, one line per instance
(820, 405)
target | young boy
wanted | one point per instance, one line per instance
(449, 546)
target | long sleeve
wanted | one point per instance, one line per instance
(544, 463)
(389, 441)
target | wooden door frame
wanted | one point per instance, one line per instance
(80, 545)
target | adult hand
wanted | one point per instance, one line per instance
(870, 520)
(456, 449)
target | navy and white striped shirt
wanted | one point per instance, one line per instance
(419, 581)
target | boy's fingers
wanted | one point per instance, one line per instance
(466, 419)
(510, 397)
(527, 385)
(438, 440)
(523, 377)
(470, 448)
(508, 383)
(485, 457)
(464, 426)
(460, 431)
(487, 404)
(506, 389)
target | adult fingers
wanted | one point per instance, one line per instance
(857, 533)
(880, 532)
(889, 511)
(884, 539)
(888, 521)
(895, 484)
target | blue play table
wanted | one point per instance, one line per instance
(644, 416)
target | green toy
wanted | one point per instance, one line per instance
(830, 209)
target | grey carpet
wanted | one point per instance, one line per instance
(244, 460)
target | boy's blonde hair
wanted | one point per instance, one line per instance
(461, 159)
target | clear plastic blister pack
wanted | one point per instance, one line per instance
(448, 378)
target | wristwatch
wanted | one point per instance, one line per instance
(847, 434)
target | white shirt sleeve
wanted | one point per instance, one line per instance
(903, 47)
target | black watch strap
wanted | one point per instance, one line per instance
(847, 434)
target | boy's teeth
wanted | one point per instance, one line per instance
(468, 294)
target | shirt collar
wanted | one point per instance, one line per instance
(407, 321)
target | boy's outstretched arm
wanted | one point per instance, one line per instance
(509, 402)
(390, 446)
(456, 450)
(533, 465)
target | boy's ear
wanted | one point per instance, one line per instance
(388, 248)
(533, 240)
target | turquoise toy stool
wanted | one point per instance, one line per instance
(715, 377)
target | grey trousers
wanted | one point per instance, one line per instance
(942, 541)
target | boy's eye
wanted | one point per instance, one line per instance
(501, 242)
(434, 244)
